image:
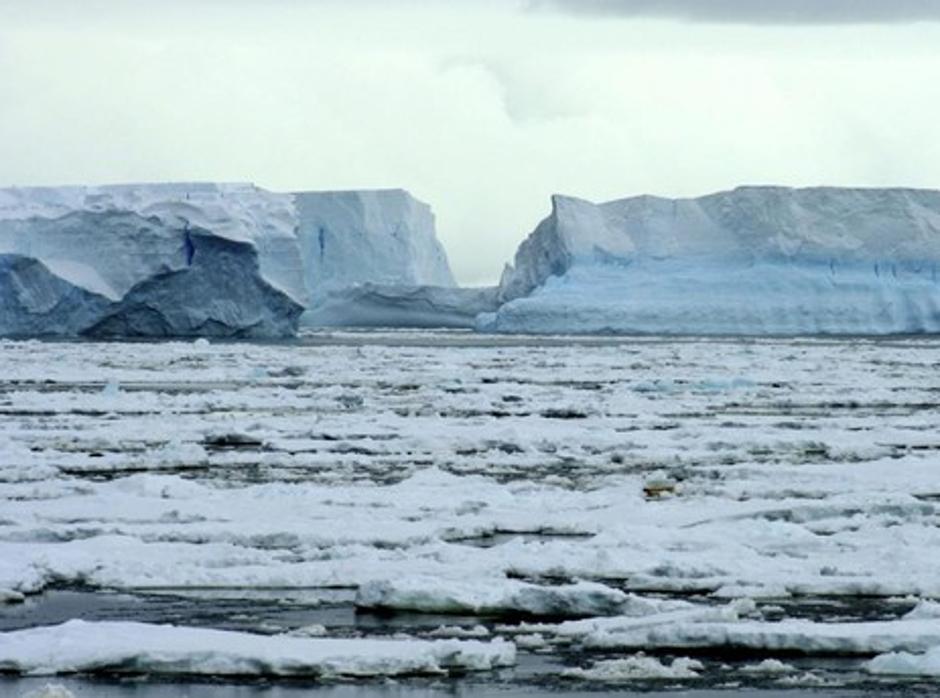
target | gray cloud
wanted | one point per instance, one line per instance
(756, 11)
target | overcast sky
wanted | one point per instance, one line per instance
(483, 108)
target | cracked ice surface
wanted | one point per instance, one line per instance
(543, 479)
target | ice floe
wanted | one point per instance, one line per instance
(484, 596)
(136, 648)
(636, 667)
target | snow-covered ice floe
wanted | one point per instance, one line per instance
(139, 648)
(636, 667)
(906, 664)
(755, 260)
(477, 596)
(791, 635)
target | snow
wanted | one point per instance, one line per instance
(490, 596)
(906, 664)
(769, 667)
(924, 610)
(127, 647)
(791, 635)
(756, 260)
(636, 667)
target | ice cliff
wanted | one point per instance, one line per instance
(234, 260)
(382, 236)
(755, 260)
(372, 258)
(149, 260)
(229, 260)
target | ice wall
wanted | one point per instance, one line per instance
(149, 260)
(351, 238)
(755, 260)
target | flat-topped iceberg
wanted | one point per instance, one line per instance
(227, 260)
(372, 258)
(149, 260)
(756, 260)
(383, 236)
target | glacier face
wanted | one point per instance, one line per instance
(378, 238)
(755, 260)
(229, 260)
(149, 260)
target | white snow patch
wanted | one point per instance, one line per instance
(924, 610)
(906, 663)
(638, 666)
(769, 666)
(794, 635)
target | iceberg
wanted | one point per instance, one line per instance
(383, 236)
(36, 301)
(390, 305)
(149, 260)
(225, 260)
(755, 260)
(372, 258)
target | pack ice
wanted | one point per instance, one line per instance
(149, 260)
(755, 260)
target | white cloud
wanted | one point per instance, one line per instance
(758, 11)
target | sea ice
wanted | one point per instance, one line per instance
(128, 647)
(483, 596)
(490, 474)
(635, 667)
(906, 663)
(50, 690)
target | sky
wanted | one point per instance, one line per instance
(482, 108)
